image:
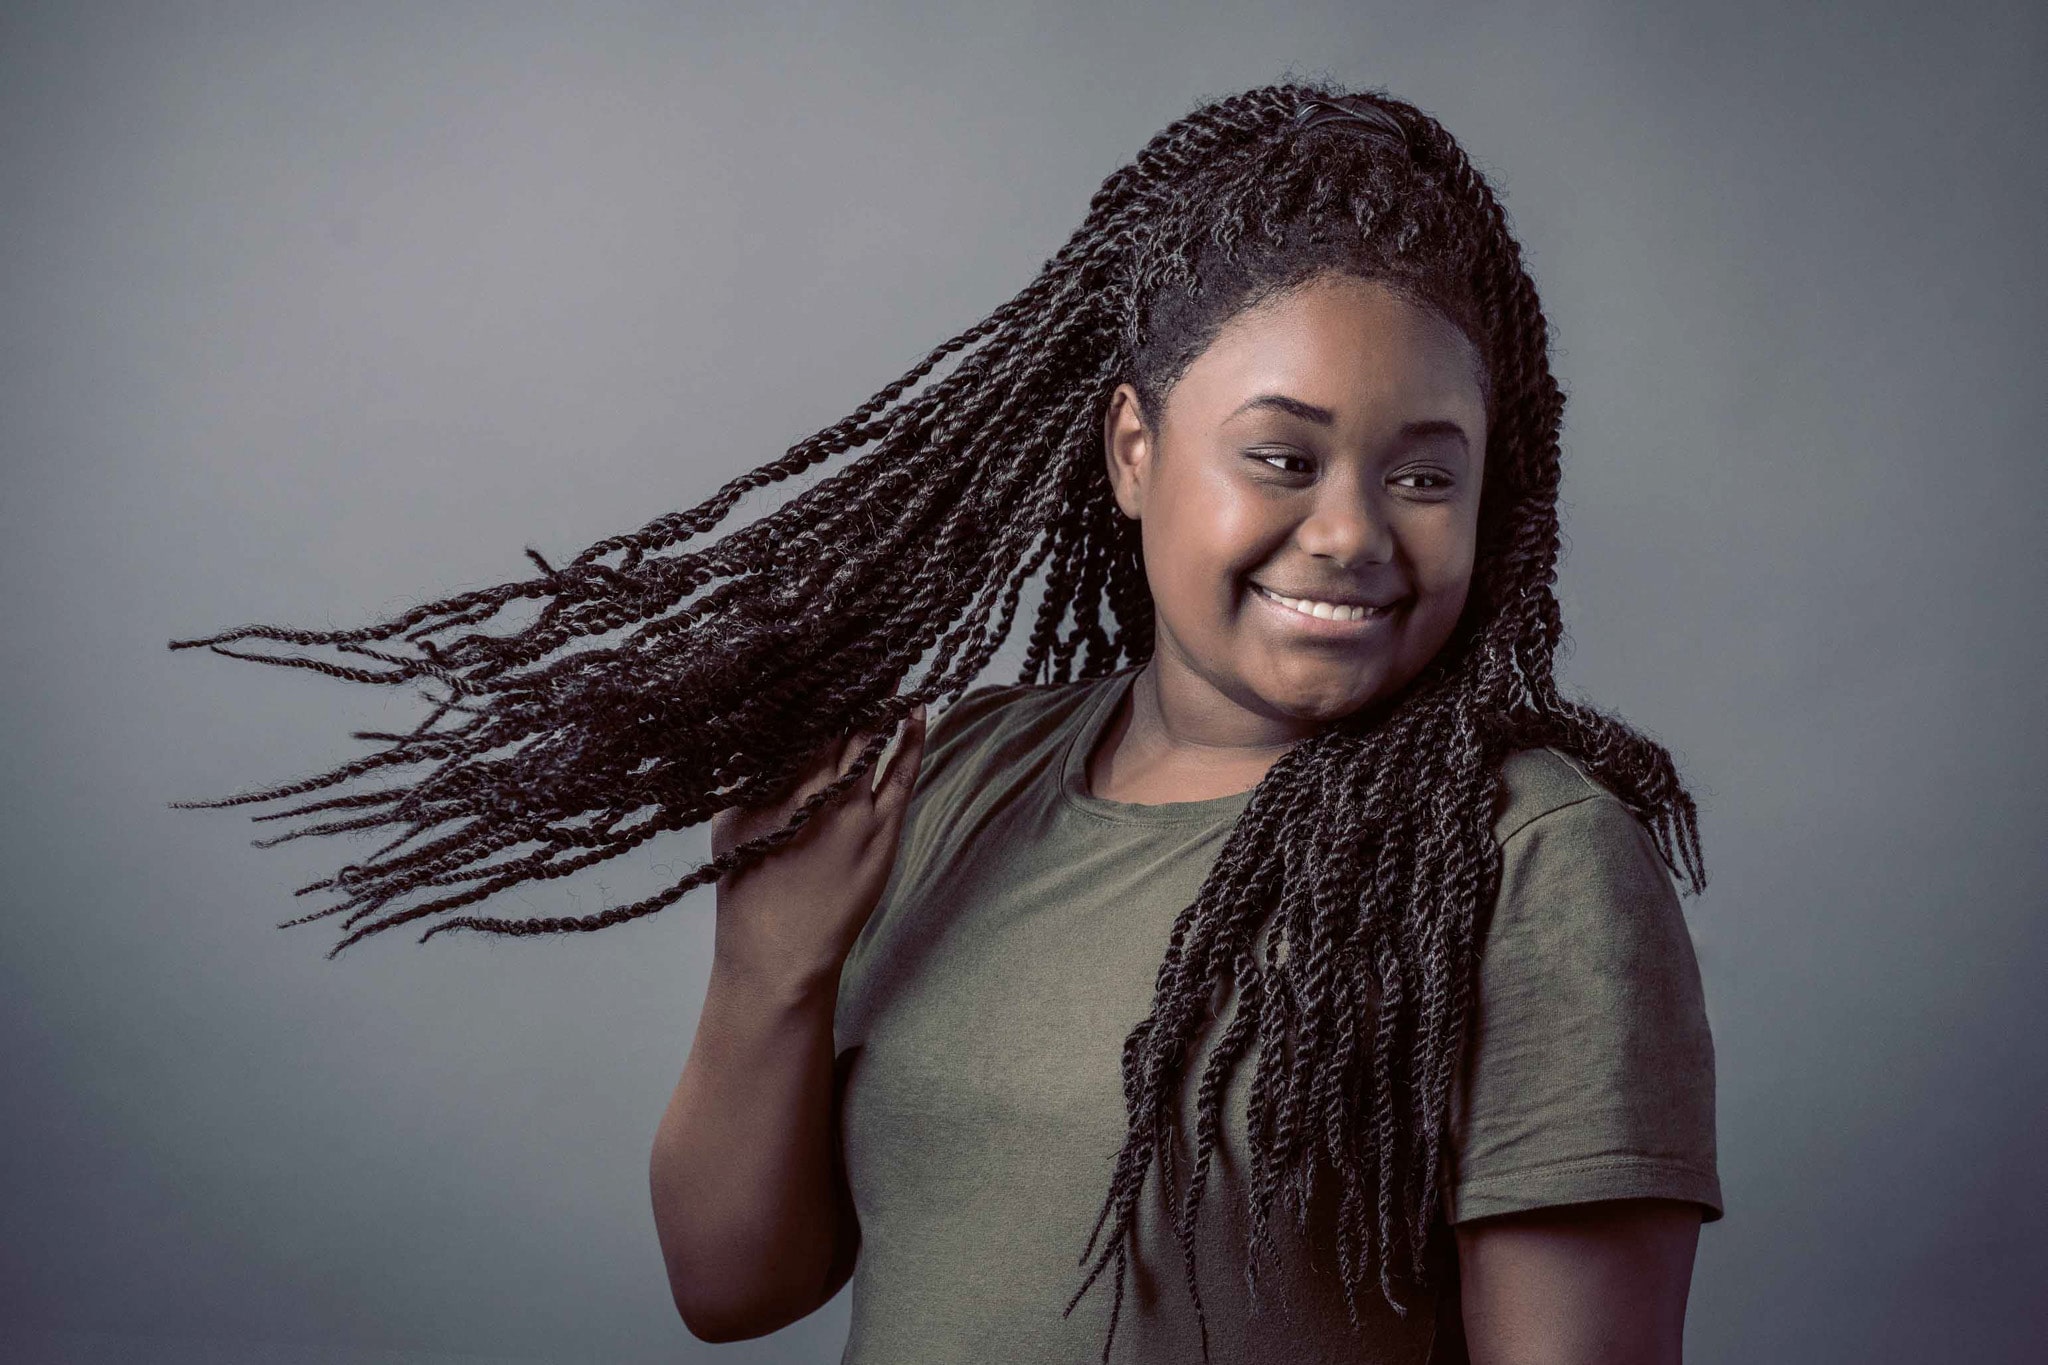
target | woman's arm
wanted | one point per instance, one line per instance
(1580, 1284)
(751, 1203)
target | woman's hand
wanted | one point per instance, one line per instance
(791, 919)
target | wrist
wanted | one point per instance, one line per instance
(789, 985)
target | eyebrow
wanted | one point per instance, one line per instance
(1323, 417)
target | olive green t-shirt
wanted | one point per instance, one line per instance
(982, 1014)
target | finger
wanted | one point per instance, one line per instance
(849, 751)
(907, 757)
(886, 757)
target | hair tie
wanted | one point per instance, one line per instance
(1316, 113)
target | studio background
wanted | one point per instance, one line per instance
(313, 312)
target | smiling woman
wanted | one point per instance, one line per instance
(1283, 863)
(1323, 450)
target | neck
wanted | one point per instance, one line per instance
(1176, 737)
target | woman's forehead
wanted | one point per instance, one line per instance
(1348, 347)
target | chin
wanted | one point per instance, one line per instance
(1309, 700)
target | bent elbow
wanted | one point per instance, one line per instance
(717, 1323)
(712, 1325)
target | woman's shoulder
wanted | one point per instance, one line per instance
(983, 705)
(1563, 830)
(990, 723)
(999, 705)
(1581, 876)
(1543, 782)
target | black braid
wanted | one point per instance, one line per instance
(743, 657)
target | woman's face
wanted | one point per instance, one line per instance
(1329, 445)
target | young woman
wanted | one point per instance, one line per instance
(1283, 867)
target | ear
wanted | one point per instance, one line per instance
(1127, 448)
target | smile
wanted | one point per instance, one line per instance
(1325, 618)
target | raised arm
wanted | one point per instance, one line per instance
(751, 1206)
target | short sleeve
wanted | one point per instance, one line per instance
(1589, 1070)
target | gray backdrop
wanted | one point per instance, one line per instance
(314, 312)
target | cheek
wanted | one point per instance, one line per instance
(1442, 561)
(1450, 574)
(1210, 535)
(1447, 545)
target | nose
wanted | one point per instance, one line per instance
(1347, 524)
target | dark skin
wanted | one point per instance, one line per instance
(1360, 485)
(1354, 475)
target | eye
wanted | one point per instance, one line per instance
(1263, 456)
(1435, 480)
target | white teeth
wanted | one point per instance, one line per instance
(1328, 611)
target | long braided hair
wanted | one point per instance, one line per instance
(653, 690)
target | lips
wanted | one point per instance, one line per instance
(1336, 628)
(1341, 599)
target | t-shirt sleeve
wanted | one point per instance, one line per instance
(1589, 1070)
